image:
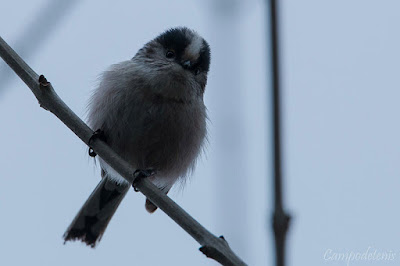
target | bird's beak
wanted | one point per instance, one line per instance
(186, 64)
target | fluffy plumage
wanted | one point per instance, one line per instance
(152, 113)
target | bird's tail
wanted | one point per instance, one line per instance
(92, 220)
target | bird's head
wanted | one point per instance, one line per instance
(179, 56)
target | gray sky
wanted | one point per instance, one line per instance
(341, 144)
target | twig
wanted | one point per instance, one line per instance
(212, 246)
(280, 218)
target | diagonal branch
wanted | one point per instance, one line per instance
(212, 246)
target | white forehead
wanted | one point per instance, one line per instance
(193, 49)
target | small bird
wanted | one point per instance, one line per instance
(150, 110)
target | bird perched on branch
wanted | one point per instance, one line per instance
(150, 111)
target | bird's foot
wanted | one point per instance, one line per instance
(140, 173)
(98, 134)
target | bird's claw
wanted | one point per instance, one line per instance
(98, 134)
(140, 173)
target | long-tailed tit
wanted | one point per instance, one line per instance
(151, 112)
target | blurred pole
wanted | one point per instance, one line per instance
(225, 104)
(280, 218)
(40, 28)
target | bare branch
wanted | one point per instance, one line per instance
(212, 246)
(281, 219)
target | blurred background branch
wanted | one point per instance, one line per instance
(212, 246)
(280, 220)
(37, 32)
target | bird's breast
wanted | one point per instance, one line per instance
(166, 136)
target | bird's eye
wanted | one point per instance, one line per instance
(197, 71)
(170, 54)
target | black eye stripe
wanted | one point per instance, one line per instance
(174, 39)
(204, 59)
